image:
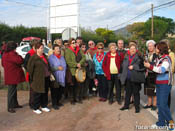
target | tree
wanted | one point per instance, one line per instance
(160, 29)
(137, 30)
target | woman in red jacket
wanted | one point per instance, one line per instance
(13, 73)
(111, 67)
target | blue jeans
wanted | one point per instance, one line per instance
(164, 114)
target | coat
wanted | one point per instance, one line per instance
(36, 69)
(137, 64)
(106, 64)
(72, 62)
(13, 71)
(55, 63)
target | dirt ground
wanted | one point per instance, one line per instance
(92, 115)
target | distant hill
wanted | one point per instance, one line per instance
(122, 31)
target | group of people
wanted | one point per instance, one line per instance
(124, 70)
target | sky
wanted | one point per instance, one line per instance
(93, 13)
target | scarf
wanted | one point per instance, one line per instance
(44, 59)
(99, 56)
(75, 51)
(130, 58)
(95, 48)
(58, 56)
(31, 52)
(110, 55)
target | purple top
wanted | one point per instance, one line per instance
(55, 63)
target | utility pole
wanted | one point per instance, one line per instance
(152, 26)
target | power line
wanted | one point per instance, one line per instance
(165, 5)
(26, 4)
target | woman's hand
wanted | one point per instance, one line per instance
(131, 67)
(60, 68)
(79, 65)
(147, 64)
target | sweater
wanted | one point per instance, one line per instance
(163, 68)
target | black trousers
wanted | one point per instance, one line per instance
(90, 85)
(132, 89)
(56, 95)
(31, 99)
(12, 96)
(102, 86)
(73, 89)
(111, 83)
(41, 99)
(80, 89)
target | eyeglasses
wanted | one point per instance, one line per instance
(100, 48)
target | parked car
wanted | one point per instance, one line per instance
(22, 50)
(27, 40)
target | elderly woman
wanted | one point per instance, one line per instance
(163, 84)
(75, 59)
(60, 43)
(13, 73)
(111, 67)
(98, 60)
(38, 69)
(132, 63)
(151, 77)
(90, 70)
(58, 65)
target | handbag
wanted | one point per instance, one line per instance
(138, 76)
(54, 83)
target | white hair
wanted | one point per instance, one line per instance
(150, 41)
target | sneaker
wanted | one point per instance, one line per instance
(124, 109)
(37, 111)
(45, 109)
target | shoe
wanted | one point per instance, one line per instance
(80, 101)
(147, 106)
(124, 109)
(104, 99)
(18, 106)
(119, 102)
(37, 111)
(45, 109)
(111, 102)
(101, 99)
(137, 111)
(154, 108)
(72, 103)
(132, 102)
(55, 107)
(11, 110)
(60, 104)
(75, 100)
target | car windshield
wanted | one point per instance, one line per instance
(26, 49)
